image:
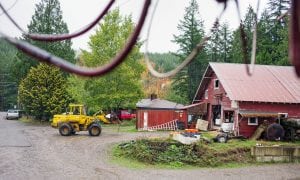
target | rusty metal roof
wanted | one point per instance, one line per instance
(278, 84)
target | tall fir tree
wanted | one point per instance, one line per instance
(191, 30)
(47, 19)
(248, 25)
(273, 34)
(220, 44)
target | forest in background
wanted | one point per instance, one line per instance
(224, 46)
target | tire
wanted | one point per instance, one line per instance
(65, 129)
(222, 138)
(290, 134)
(95, 130)
(275, 132)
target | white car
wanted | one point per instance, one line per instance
(12, 114)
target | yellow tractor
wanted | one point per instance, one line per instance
(75, 120)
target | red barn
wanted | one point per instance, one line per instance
(159, 114)
(239, 102)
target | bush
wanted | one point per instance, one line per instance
(170, 152)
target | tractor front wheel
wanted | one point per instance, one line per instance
(95, 130)
(65, 129)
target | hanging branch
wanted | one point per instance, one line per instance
(59, 37)
(254, 41)
(47, 57)
(13, 5)
(187, 60)
(294, 38)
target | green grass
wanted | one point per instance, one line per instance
(117, 158)
(125, 126)
(31, 121)
(231, 144)
(165, 153)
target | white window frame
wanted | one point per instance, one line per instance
(253, 124)
(215, 84)
(206, 94)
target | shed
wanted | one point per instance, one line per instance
(242, 102)
(153, 113)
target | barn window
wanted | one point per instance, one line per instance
(253, 121)
(216, 85)
(206, 94)
(229, 116)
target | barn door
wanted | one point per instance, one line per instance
(145, 119)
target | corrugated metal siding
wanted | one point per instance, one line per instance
(267, 84)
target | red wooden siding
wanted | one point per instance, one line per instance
(215, 97)
(247, 91)
(292, 109)
(160, 116)
(247, 130)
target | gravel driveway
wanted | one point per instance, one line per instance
(39, 152)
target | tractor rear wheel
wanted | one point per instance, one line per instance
(65, 129)
(95, 130)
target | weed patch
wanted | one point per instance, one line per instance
(175, 154)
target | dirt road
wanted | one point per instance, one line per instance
(39, 152)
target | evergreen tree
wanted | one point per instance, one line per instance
(8, 88)
(48, 95)
(220, 44)
(47, 19)
(43, 92)
(273, 34)
(264, 40)
(191, 32)
(248, 25)
(164, 61)
(122, 87)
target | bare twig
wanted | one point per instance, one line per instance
(47, 57)
(13, 5)
(243, 39)
(254, 41)
(59, 37)
(294, 38)
(282, 15)
(187, 60)
(10, 18)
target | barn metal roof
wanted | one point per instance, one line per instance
(278, 84)
(158, 104)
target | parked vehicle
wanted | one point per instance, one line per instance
(76, 120)
(123, 115)
(292, 128)
(286, 129)
(12, 114)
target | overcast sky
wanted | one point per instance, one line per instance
(78, 13)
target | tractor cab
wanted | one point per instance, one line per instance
(76, 109)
